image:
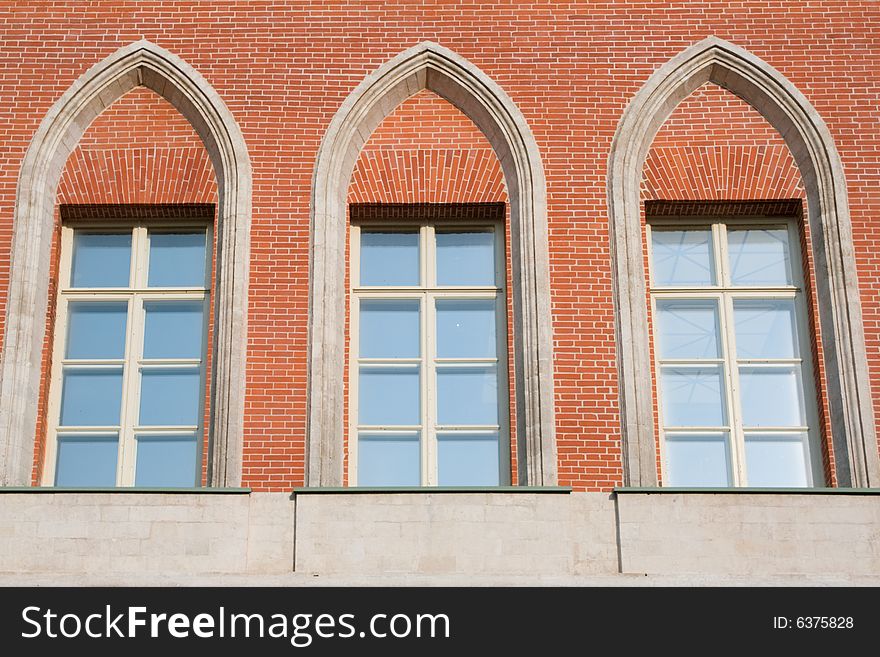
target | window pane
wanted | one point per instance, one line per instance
(759, 257)
(389, 396)
(765, 328)
(771, 396)
(467, 459)
(96, 330)
(466, 328)
(173, 329)
(688, 329)
(166, 461)
(467, 396)
(776, 460)
(682, 258)
(389, 459)
(86, 461)
(389, 258)
(466, 258)
(101, 260)
(170, 397)
(698, 460)
(91, 397)
(389, 329)
(177, 260)
(692, 397)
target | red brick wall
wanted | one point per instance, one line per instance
(426, 151)
(284, 69)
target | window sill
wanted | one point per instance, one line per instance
(357, 490)
(624, 490)
(138, 490)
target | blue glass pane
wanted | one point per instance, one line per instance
(388, 460)
(389, 258)
(389, 396)
(466, 258)
(467, 396)
(101, 260)
(682, 258)
(91, 397)
(174, 329)
(177, 260)
(389, 329)
(466, 328)
(759, 257)
(167, 461)
(771, 396)
(467, 460)
(86, 461)
(776, 460)
(170, 397)
(688, 329)
(96, 330)
(765, 328)
(699, 460)
(692, 397)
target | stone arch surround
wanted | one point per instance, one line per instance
(138, 64)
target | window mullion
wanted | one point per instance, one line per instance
(737, 438)
(134, 341)
(429, 409)
(731, 374)
(130, 392)
(429, 353)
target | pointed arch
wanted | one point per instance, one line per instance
(138, 64)
(810, 142)
(433, 67)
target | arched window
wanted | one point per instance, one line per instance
(429, 66)
(138, 64)
(843, 341)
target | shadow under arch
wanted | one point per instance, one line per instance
(811, 145)
(438, 69)
(138, 64)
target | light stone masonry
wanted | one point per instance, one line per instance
(424, 538)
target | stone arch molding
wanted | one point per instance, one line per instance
(433, 67)
(138, 64)
(810, 142)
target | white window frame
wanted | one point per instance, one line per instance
(135, 295)
(428, 293)
(724, 293)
